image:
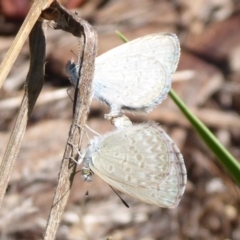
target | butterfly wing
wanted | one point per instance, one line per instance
(137, 74)
(143, 162)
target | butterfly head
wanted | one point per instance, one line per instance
(72, 72)
(87, 174)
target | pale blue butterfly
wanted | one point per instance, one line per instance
(135, 76)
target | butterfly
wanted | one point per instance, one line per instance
(140, 160)
(135, 76)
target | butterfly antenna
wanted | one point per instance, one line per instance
(126, 205)
(74, 53)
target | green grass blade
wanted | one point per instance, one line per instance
(121, 36)
(225, 157)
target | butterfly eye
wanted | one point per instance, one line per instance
(87, 174)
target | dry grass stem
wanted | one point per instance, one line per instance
(30, 20)
(33, 87)
(74, 24)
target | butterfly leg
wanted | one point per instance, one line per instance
(90, 129)
(68, 92)
(80, 156)
(98, 134)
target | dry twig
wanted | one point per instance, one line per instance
(32, 17)
(72, 23)
(33, 87)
